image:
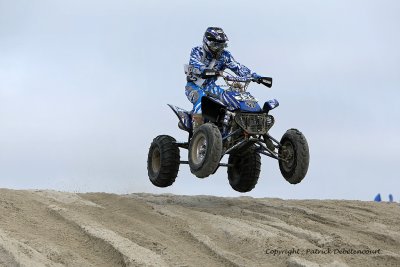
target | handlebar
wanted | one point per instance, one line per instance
(238, 79)
(208, 73)
(267, 81)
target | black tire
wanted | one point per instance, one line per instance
(243, 175)
(163, 161)
(295, 150)
(205, 150)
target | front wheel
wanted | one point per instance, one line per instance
(205, 150)
(295, 156)
(163, 161)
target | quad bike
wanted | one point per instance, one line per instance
(236, 125)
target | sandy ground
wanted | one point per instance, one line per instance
(49, 228)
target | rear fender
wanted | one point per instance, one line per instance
(184, 116)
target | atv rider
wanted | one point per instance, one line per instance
(210, 56)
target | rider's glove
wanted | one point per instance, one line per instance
(209, 73)
(256, 77)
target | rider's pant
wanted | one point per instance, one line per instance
(194, 93)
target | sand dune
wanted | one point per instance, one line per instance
(49, 228)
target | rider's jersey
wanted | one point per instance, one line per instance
(201, 60)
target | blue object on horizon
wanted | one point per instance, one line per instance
(390, 198)
(378, 198)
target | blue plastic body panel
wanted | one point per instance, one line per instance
(184, 116)
(243, 101)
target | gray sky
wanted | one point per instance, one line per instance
(84, 87)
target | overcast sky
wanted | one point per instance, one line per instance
(84, 87)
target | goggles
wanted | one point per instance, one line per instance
(217, 46)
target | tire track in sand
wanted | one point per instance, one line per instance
(16, 253)
(129, 253)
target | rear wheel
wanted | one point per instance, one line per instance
(163, 161)
(295, 156)
(205, 150)
(245, 170)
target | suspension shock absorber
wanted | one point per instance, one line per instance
(226, 122)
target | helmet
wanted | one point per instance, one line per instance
(214, 41)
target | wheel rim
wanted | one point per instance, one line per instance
(288, 154)
(156, 160)
(199, 150)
